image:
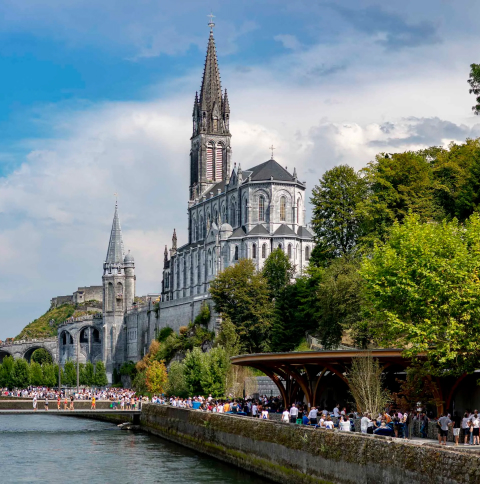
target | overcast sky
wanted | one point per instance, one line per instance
(96, 98)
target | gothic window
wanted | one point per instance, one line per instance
(264, 251)
(245, 211)
(224, 215)
(210, 149)
(254, 251)
(233, 210)
(195, 230)
(307, 253)
(84, 336)
(119, 295)
(219, 163)
(236, 252)
(209, 262)
(95, 335)
(283, 209)
(110, 297)
(199, 273)
(261, 209)
(184, 272)
(289, 251)
(215, 216)
(201, 227)
(298, 211)
(215, 124)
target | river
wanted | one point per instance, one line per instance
(54, 449)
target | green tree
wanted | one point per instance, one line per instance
(50, 374)
(41, 356)
(398, 184)
(6, 372)
(193, 367)
(82, 375)
(70, 374)
(278, 272)
(156, 377)
(215, 366)
(335, 218)
(36, 374)
(203, 317)
(423, 292)
(474, 82)
(176, 380)
(21, 373)
(242, 294)
(89, 374)
(101, 379)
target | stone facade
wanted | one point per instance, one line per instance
(80, 296)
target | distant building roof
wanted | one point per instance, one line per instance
(304, 233)
(259, 230)
(269, 169)
(284, 230)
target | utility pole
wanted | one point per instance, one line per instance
(78, 362)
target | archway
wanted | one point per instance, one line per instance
(44, 356)
(3, 354)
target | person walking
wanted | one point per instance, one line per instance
(465, 428)
(293, 413)
(46, 402)
(312, 416)
(285, 416)
(71, 402)
(457, 422)
(94, 403)
(59, 402)
(35, 403)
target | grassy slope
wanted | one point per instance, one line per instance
(40, 328)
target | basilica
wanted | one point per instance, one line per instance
(233, 213)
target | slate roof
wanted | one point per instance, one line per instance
(268, 169)
(115, 252)
(304, 233)
(284, 231)
(259, 230)
(240, 232)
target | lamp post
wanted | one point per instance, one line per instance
(59, 369)
(78, 362)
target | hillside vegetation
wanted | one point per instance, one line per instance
(46, 326)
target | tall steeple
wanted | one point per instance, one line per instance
(210, 152)
(115, 252)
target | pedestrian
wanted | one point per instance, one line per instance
(46, 402)
(344, 424)
(34, 403)
(443, 425)
(285, 416)
(364, 423)
(465, 428)
(329, 423)
(59, 402)
(312, 416)
(457, 422)
(94, 403)
(293, 413)
(265, 414)
(71, 402)
(423, 425)
(476, 427)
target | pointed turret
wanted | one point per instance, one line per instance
(165, 257)
(115, 252)
(211, 91)
(226, 104)
(174, 240)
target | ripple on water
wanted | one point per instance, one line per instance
(48, 448)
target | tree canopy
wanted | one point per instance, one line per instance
(474, 81)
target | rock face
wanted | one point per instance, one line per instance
(295, 454)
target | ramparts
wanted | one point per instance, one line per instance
(295, 454)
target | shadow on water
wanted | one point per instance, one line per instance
(44, 448)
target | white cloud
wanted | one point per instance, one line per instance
(288, 41)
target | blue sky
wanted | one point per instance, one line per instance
(96, 98)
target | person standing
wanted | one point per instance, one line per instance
(465, 428)
(444, 424)
(71, 402)
(94, 403)
(59, 402)
(476, 428)
(457, 422)
(312, 416)
(293, 413)
(46, 402)
(254, 410)
(34, 402)
(336, 411)
(285, 416)
(364, 423)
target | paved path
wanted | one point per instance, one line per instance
(69, 412)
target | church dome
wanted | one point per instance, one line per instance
(128, 258)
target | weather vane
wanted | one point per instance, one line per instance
(211, 24)
(272, 148)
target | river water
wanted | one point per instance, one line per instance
(54, 449)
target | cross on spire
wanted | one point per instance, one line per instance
(211, 24)
(272, 148)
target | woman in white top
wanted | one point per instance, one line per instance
(344, 424)
(466, 428)
(265, 414)
(329, 423)
(286, 416)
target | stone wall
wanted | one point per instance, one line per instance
(295, 454)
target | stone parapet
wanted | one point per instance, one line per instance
(296, 454)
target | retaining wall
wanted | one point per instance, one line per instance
(291, 454)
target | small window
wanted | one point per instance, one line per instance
(254, 251)
(283, 209)
(298, 211)
(280, 246)
(236, 252)
(289, 251)
(307, 253)
(261, 209)
(264, 251)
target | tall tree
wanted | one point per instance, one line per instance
(70, 376)
(6, 372)
(335, 219)
(242, 294)
(193, 366)
(423, 294)
(156, 377)
(474, 82)
(278, 272)
(21, 373)
(100, 374)
(89, 374)
(36, 374)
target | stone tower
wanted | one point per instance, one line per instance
(210, 142)
(118, 293)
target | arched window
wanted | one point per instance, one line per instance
(233, 213)
(195, 230)
(236, 253)
(261, 209)
(289, 251)
(110, 296)
(219, 163)
(224, 214)
(119, 296)
(245, 211)
(298, 211)
(254, 251)
(264, 251)
(280, 246)
(202, 228)
(307, 253)
(210, 149)
(283, 209)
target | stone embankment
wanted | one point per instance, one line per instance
(296, 454)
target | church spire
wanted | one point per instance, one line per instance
(115, 253)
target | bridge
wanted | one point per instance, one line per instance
(135, 414)
(25, 348)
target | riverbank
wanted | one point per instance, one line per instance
(297, 454)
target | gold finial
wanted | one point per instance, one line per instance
(211, 24)
(272, 148)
